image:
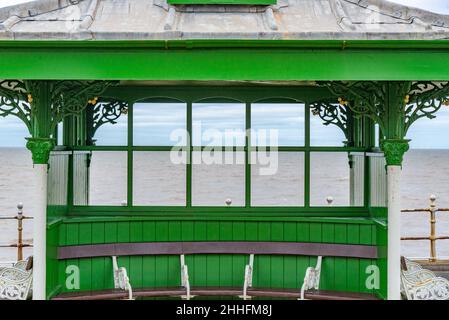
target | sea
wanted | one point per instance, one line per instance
(425, 172)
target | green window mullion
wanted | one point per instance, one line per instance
(248, 155)
(189, 156)
(307, 157)
(130, 151)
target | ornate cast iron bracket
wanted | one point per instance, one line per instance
(107, 112)
(14, 101)
(41, 105)
(332, 113)
(394, 106)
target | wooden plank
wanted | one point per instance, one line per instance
(161, 267)
(217, 247)
(340, 264)
(277, 262)
(98, 264)
(353, 267)
(174, 265)
(136, 263)
(110, 236)
(72, 238)
(199, 274)
(328, 264)
(225, 272)
(262, 264)
(290, 279)
(238, 261)
(213, 261)
(149, 262)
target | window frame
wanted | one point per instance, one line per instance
(247, 95)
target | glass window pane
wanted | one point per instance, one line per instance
(277, 179)
(159, 179)
(277, 124)
(218, 124)
(217, 177)
(108, 178)
(110, 125)
(325, 135)
(159, 124)
(60, 127)
(329, 178)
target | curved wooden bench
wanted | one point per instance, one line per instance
(190, 248)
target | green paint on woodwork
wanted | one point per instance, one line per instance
(239, 60)
(346, 274)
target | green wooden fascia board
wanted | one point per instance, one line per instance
(275, 60)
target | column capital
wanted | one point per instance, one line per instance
(40, 149)
(394, 150)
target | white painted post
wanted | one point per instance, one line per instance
(40, 233)
(394, 232)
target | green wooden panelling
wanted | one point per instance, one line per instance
(238, 60)
(346, 274)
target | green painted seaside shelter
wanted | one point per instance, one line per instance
(363, 69)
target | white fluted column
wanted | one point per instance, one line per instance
(40, 233)
(394, 232)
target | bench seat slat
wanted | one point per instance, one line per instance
(114, 294)
(214, 291)
(338, 295)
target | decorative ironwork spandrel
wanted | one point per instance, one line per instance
(108, 112)
(13, 101)
(332, 113)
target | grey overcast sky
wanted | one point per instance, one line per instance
(424, 134)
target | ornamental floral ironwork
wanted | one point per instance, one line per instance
(332, 113)
(41, 105)
(425, 99)
(395, 106)
(14, 102)
(107, 112)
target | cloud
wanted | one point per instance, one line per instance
(439, 6)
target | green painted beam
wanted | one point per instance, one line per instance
(230, 60)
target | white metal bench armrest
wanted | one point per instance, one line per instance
(312, 278)
(412, 266)
(248, 282)
(121, 279)
(15, 283)
(185, 282)
(419, 275)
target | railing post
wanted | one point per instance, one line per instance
(20, 232)
(433, 210)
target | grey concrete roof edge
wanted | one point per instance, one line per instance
(33, 8)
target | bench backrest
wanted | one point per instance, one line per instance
(217, 247)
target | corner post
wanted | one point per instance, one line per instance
(394, 147)
(40, 149)
(40, 144)
(394, 151)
